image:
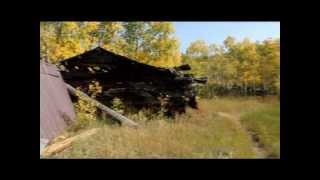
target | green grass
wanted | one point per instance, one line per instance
(197, 134)
(265, 125)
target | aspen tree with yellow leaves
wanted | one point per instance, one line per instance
(240, 68)
(153, 43)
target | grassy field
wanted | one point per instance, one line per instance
(264, 125)
(222, 128)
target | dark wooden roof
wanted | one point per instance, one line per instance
(101, 56)
(113, 63)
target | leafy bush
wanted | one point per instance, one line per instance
(86, 110)
(117, 105)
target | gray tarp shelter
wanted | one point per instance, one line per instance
(56, 108)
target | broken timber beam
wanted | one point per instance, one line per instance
(64, 144)
(104, 108)
(184, 67)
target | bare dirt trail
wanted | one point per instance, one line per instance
(258, 147)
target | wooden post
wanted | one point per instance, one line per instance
(104, 108)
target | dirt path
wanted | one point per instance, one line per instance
(258, 147)
(234, 118)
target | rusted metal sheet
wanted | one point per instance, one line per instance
(55, 103)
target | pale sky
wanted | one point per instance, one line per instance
(216, 32)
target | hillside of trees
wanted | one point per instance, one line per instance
(233, 68)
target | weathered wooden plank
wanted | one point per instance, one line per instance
(184, 67)
(201, 80)
(62, 145)
(111, 112)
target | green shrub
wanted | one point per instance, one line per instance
(86, 110)
(117, 105)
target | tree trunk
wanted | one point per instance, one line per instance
(245, 89)
(254, 88)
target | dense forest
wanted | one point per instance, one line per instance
(234, 67)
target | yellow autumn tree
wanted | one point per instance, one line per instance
(152, 43)
(242, 66)
(148, 42)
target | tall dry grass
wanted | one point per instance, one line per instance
(196, 134)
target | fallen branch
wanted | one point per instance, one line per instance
(104, 108)
(62, 145)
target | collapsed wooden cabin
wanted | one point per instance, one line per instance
(138, 85)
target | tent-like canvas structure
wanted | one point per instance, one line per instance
(56, 109)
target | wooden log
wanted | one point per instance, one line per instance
(62, 145)
(85, 75)
(104, 108)
(184, 67)
(201, 80)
